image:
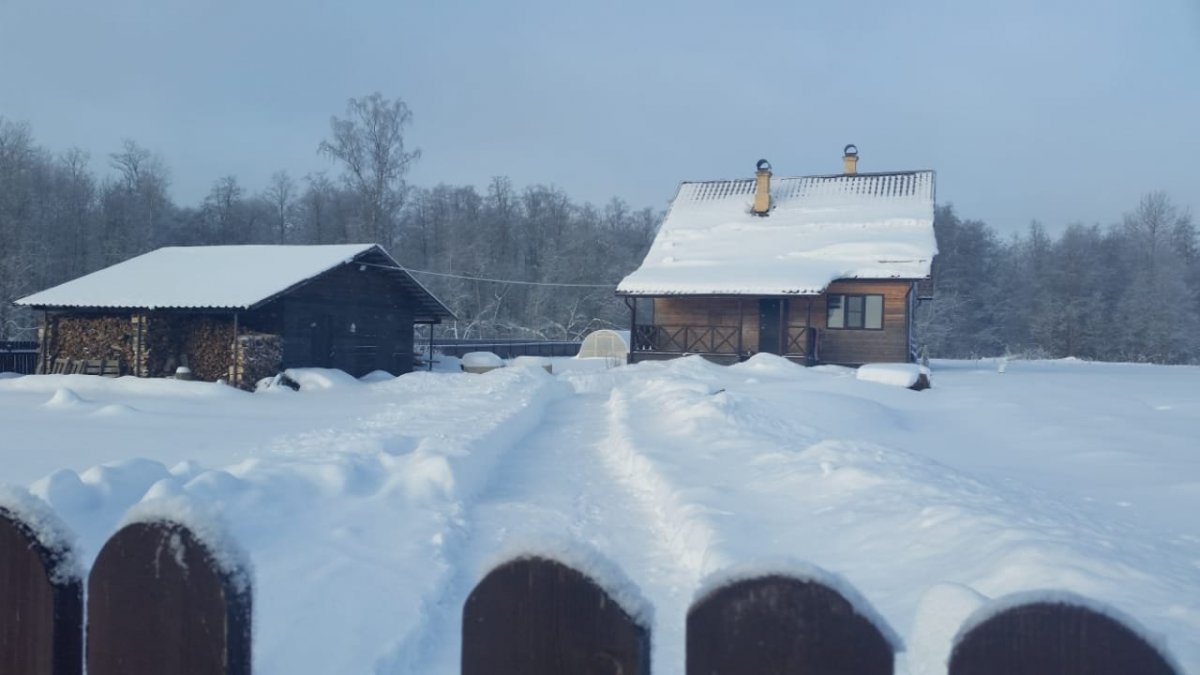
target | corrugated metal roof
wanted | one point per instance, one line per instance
(819, 229)
(213, 277)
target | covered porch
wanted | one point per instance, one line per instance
(726, 329)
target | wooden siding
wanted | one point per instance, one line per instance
(856, 346)
(844, 346)
(354, 319)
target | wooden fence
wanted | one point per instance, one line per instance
(157, 602)
(18, 357)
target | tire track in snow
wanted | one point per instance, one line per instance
(578, 478)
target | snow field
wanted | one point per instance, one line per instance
(370, 510)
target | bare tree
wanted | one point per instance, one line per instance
(369, 143)
(281, 195)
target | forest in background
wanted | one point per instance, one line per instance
(1124, 292)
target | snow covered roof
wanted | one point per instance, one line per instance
(217, 277)
(819, 229)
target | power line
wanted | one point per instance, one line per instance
(509, 281)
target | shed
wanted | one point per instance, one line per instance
(605, 343)
(813, 268)
(238, 313)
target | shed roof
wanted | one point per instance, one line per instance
(219, 277)
(819, 229)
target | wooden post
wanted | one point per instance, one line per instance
(1053, 637)
(778, 624)
(41, 605)
(539, 617)
(158, 603)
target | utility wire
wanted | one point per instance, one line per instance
(509, 281)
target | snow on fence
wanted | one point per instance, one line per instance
(160, 600)
(18, 357)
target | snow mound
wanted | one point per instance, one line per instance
(63, 489)
(114, 410)
(316, 379)
(47, 529)
(800, 571)
(531, 362)
(584, 559)
(10, 376)
(1066, 598)
(895, 374)
(940, 612)
(65, 398)
(481, 360)
(205, 525)
(377, 376)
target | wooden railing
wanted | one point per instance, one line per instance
(803, 341)
(681, 339)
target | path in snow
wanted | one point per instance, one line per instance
(562, 480)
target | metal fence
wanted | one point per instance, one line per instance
(507, 349)
(18, 357)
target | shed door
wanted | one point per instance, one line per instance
(768, 325)
(322, 342)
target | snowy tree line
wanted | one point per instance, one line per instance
(59, 219)
(1126, 292)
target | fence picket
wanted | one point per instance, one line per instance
(539, 617)
(41, 606)
(157, 603)
(778, 624)
(1054, 637)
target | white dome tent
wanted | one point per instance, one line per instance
(605, 343)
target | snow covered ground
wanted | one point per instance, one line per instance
(369, 510)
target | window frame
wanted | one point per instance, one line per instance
(844, 305)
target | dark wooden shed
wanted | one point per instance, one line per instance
(237, 313)
(818, 269)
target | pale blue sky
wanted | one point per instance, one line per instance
(1045, 109)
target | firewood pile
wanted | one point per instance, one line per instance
(260, 355)
(109, 337)
(205, 346)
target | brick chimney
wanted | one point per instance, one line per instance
(850, 160)
(762, 189)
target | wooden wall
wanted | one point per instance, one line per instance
(846, 346)
(855, 347)
(354, 319)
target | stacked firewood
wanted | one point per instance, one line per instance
(92, 337)
(207, 343)
(260, 355)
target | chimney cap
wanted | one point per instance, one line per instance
(763, 165)
(851, 150)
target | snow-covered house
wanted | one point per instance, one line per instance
(238, 312)
(813, 268)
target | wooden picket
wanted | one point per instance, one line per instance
(1061, 638)
(158, 603)
(778, 624)
(41, 605)
(539, 617)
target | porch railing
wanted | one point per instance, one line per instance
(679, 339)
(800, 341)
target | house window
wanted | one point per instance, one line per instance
(854, 311)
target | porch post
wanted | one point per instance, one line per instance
(429, 361)
(633, 335)
(741, 328)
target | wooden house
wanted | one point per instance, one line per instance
(237, 313)
(818, 269)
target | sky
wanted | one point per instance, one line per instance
(1061, 111)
